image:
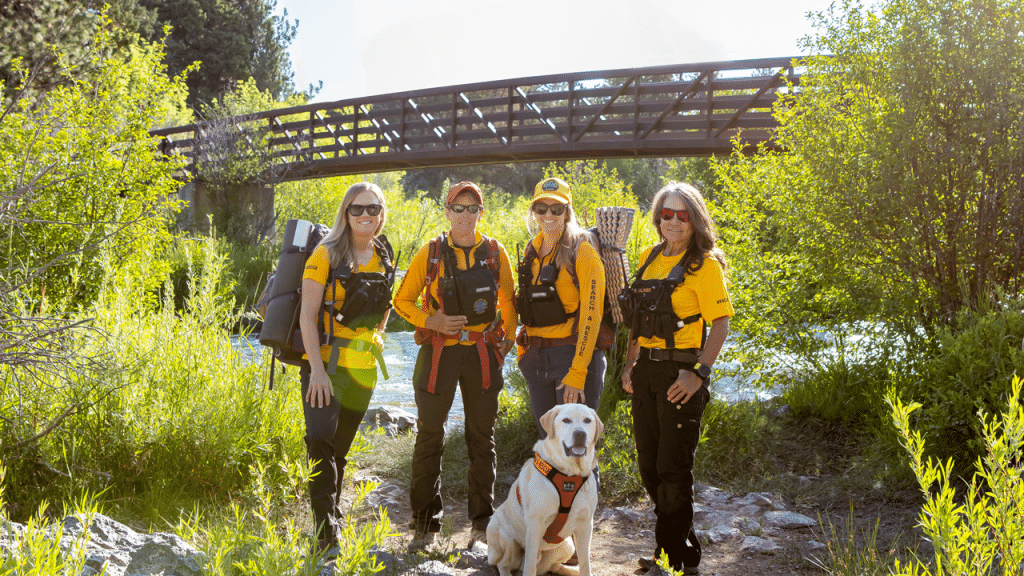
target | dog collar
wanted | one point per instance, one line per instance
(567, 486)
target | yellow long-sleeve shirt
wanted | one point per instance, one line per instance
(412, 287)
(588, 299)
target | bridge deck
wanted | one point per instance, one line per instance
(683, 110)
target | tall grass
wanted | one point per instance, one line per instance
(178, 413)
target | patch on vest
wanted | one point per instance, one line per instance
(568, 486)
(480, 306)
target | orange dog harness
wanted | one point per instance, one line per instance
(567, 487)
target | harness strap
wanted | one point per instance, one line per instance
(359, 346)
(437, 339)
(567, 486)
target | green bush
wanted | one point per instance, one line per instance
(980, 532)
(969, 373)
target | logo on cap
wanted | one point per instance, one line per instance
(549, 186)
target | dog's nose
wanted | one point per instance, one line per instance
(579, 438)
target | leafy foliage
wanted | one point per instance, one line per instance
(247, 39)
(967, 373)
(898, 197)
(980, 534)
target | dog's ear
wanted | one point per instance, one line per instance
(599, 428)
(547, 421)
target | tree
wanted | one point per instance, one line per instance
(899, 194)
(233, 39)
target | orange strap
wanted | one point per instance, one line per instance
(567, 487)
(437, 341)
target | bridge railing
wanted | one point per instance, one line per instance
(692, 109)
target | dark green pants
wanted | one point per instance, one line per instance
(459, 367)
(329, 434)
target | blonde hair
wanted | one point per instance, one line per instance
(572, 235)
(705, 237)
(339, 241)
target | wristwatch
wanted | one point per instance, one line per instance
(702, 370)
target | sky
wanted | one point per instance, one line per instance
(369, 47)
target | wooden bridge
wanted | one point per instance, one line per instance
(662, 111)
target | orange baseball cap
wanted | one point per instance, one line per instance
(464, 186)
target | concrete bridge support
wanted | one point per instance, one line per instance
(243, 213)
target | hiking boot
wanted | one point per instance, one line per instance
(477, 535)
(421, 541)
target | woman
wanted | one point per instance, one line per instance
(561, 302)
(346, 297)
(679, 290)
(467, 309)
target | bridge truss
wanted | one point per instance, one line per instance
(663, 111)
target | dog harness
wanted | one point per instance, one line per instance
(567, 487)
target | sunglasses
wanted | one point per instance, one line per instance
(541, 208)
(668, 213)
(371, 209)
(460, 208)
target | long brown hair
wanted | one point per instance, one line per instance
(703, 241)
(339, 241)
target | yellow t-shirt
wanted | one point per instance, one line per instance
(702, 292)
(590, 273)
(412, 287)
(317, 269)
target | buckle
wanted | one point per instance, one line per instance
(463, 335)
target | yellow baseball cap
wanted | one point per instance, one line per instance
(552, 189)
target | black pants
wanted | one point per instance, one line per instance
(666, 436)
(329, 434)
(459, 366)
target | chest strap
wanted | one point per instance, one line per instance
(567, 487)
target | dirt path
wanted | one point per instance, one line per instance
(621, 535)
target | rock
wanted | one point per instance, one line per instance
(761, 545)
(646, 535)
(711, 494)
(781, 411)
(393, 420)
(628, 514)
(750, 511)
(167, 555)
(472, 559)
(787, 520)
(814, 545)
(388, 495)
(385, 559)
(720, 534)
(431, 568)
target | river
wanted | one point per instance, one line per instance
(400, 352)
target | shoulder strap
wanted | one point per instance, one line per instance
(434, 258)
(650, 258)
(494, 258)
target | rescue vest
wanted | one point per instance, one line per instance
(367, 299)
(540, 305)
(567, 486)
(538, 302)
(472, 293)
(651, 309)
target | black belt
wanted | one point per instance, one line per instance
(684, 355)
